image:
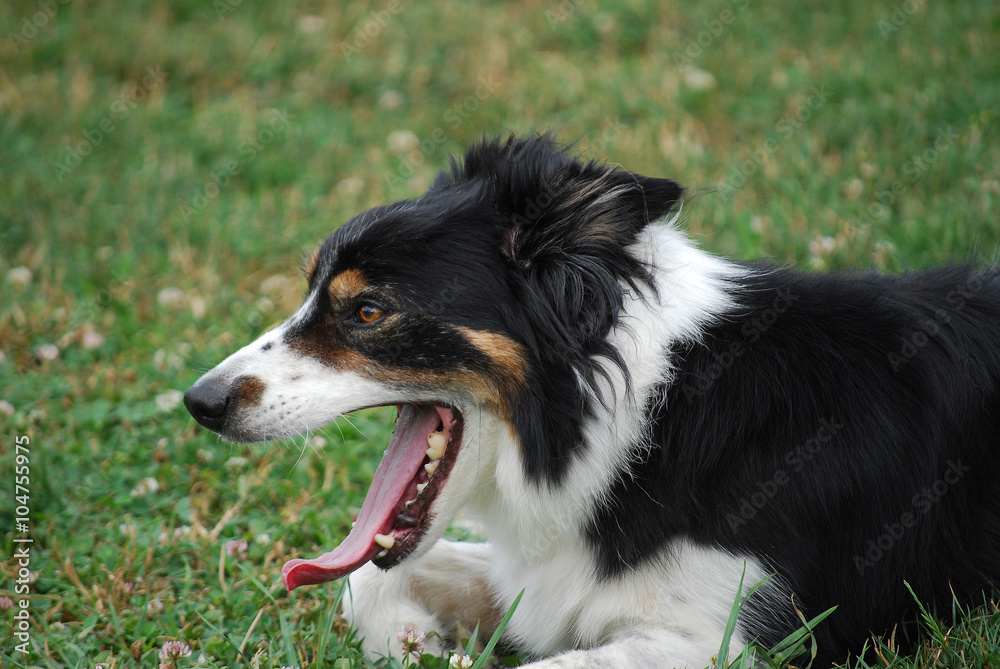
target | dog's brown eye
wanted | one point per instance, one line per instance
(368, 313)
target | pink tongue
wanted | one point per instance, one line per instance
(402, 458)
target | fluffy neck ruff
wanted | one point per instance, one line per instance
(692, 290)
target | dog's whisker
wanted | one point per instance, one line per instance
(340, 429)
(305, 445)
(348, 420)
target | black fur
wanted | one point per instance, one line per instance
(802, 432)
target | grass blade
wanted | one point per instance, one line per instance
(496, 635)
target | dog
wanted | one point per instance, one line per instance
(640, 426)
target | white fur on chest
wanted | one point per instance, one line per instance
(687, 592)
(537, 531)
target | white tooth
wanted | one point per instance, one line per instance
(382, 554)
(431, 467)
(420, 487)
(410, 502)
(384, 540)
(437, 442)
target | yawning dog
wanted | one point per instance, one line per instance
(639, 425)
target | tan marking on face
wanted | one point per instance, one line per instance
(495, 389)
(311, 265)
(347, 284)
(329, 349)
(505, 353)
(249, 389)
(489, 391)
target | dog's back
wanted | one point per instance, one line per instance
(844, 429)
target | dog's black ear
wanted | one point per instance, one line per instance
(555, 202)
(591, 213)
(569, 233)
(572, 241)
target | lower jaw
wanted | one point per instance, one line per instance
(409, 535)
(405, 543)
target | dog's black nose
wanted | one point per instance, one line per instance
(208, 401)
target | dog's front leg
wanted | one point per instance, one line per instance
(436, 593)
(647, 648)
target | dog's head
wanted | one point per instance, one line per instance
(493, 294)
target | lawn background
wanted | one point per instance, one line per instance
(166, 167)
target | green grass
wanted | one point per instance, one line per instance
(160, 165)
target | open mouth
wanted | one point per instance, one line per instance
(396, 511)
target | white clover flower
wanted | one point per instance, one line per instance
(310, 24)
(316, 442)
(402, 141)
(47, 352)
(154, 608)
(169, 400)
(91, 339)
(411, 640)
(698, 79)
(19, 276)
(236, 462)
(144, 487)
(170, 297)
(172, 651)
(199, 307)
(236, 548)
(457, 661)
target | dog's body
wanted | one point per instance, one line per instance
(638, 424)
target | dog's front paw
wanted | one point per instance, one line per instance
(380, 606)
(571, 660)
